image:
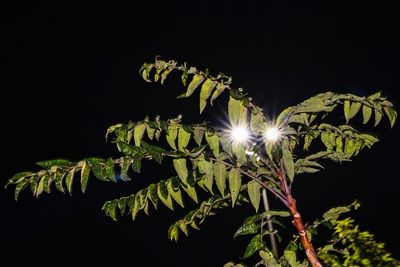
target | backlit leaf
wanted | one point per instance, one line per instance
(196, 81)
(220, 174)
(181, 169)
(253, 189)
(205, 92)
(235, 181)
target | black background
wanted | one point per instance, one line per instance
(68, 71)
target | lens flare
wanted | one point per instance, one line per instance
(272, 134)
(240, 134)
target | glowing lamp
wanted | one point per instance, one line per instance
(272, 134)
(240, 134)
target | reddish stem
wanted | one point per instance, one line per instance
(298, 222)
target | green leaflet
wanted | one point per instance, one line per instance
(196, 81)
(46, 183)
(69, 179)
(240, 152)
(205, 92)
(378, 116)
(235, 181)
(392, 115)
(327, 140)
(110, 171)
(150, 132)
(139, 132)
(183, 138)
(171, 136)
(176, 194)
(354, 108)
(198, 134)
(253, 189)
(234, 110)
(220, 176)
(220, 88)
(247, 229)
(47, 164)
(346, 107)
(181, 169)
(191, 191)
(288, 161)
(39, 189)
(153, 194)
(367, 112)
(58, 181)
(173, 232)
(206, 167)
(339, 144)
(164, 196)
(255, 245)
(269, 259)
(213, 141)
(85, 172)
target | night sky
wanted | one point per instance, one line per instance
(68, 71)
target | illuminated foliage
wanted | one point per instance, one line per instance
(224, 162)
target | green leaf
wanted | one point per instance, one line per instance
(155, 152)
(69, 179)
(47, 164)
(206, 167)
(198, 134)
(378, 116)
(19, 187)
(173, 232)
(183, 138)
(196, 81)
(176, 194)
(152, 191)
(181, 169)
(339, 144)
(253, 189)
(354, 108)
(191, 191)
(59, 181)
(150, 132)
(392, 115)
(235, 181)
(122, 204)
(110, 172)
(367, 112)
(213, 141)
(40, 187)
(46, 183)
(234, 110)
(291, 258)
(288, 161)
(220, 88)
(254, 245)
(346, 107)
(171, 136)
(240, 152)
(205, 92)
(164, 196)
(247, 229)
(137, 163)
(269, 259)
(19, 176)
(139, 132)
(85, 172)
(220, 174)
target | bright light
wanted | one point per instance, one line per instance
(239, 134)
(272, 134)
